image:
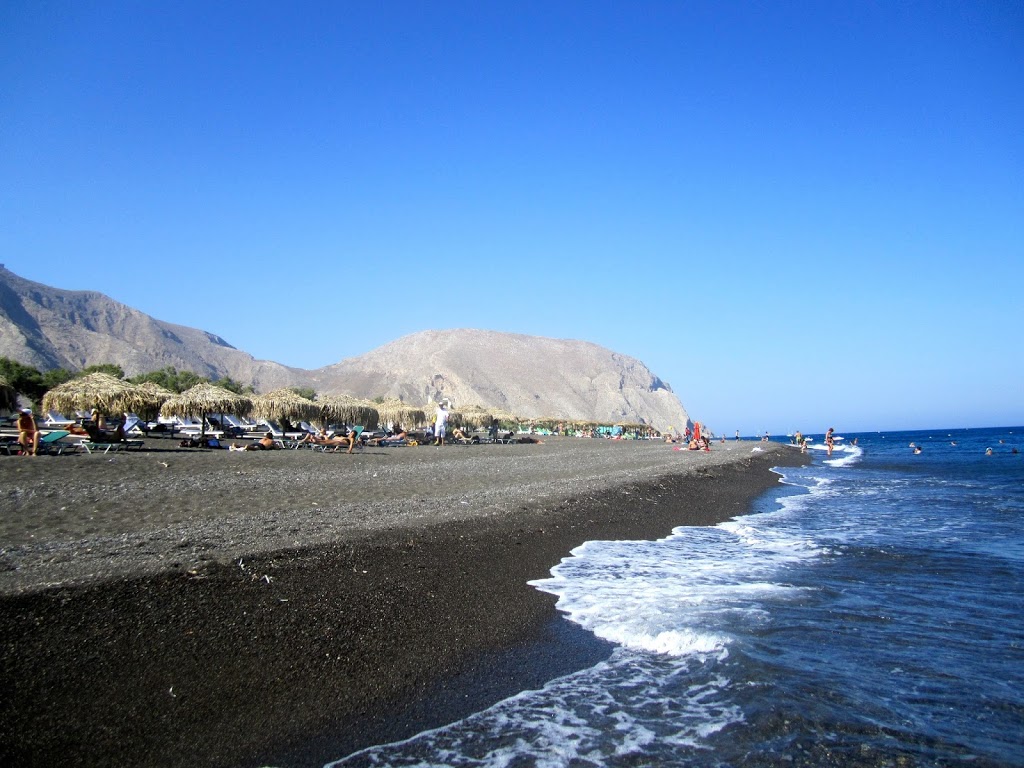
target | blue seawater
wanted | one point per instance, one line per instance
(869, 612)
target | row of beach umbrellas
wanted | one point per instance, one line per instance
(111, 395)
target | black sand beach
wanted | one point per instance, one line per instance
(175, 607)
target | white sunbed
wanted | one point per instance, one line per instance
(134, 424)
(57, 420)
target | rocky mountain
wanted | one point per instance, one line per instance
(528, 375)
(51, 328)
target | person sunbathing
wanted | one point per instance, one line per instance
(461, 436)
(320, 437)
(339, 440)
(398, 436)
(265, 443)
(98, 435)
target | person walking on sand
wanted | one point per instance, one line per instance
(28, 433)
(441, 424)
(830, 440)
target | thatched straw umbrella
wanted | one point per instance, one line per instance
(471, 416)
(101, 391)
(397, 412)
(8, 396)
(348, 410)
(152, 396)
(545, 422)
(285, 404)
(507, 417)
(203, 399)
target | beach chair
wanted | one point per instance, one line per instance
(268, 425)
(57, 420)
(112, 447)
(335, 448)
(191, 427)
(390, 443)
(242, 422)
(235, 426)
(188, 424)
(49, 444)
(276, 431)
(135, 425)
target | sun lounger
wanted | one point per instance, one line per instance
(91, 447)
(57, 420)
(50, 443)
(197, 431)
(239, 423)
(275, 430)
(396, 443)
(133, 423)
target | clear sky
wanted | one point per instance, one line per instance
(797, 214)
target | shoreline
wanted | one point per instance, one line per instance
(403, 610)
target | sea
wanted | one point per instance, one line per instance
(867, 612)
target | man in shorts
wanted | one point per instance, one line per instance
(441, 424)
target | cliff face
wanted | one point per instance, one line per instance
(528, 375)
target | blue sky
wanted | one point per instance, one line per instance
(797, 214)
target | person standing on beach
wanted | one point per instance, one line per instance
(28, 433)
(830, 439)
(441, 424)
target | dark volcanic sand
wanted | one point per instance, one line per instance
(288, 608)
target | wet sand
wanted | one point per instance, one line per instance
(184, 607)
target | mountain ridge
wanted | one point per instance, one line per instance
(531, 376)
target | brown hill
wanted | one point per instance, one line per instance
(531, 376)
(527, 375)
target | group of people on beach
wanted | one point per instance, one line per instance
(351, 437)
(697, 439)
